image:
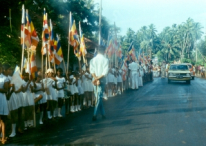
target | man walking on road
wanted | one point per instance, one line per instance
(99, 67)
(134, 69)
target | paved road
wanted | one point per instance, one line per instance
(158, 114)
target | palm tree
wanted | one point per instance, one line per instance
(197, 33)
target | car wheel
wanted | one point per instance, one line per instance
(188, 82)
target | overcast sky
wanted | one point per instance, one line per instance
(162, 13)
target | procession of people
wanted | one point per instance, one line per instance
(49, 93)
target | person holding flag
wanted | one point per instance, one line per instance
(4, 110)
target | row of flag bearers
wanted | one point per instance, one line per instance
(24, 92)
(21, 97)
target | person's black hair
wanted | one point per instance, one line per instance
(38, 76)
(6, 66)
(25, 74)
(101, 49)
(60, 70)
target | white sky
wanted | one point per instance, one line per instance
(162, 13)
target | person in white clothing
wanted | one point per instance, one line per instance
(28, 101)
(14, 104)
(134, 74)
(74, 92)
(80, 92)
(68, 96)
(4, 111)
(88, 87)
(49, 84)
(41, 97)
(110, 82)
(61, 83)
(99, 67)
(163, 70)
(115, 83)
(141, 74)
(119, 80)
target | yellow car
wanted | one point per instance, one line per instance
(179, 72)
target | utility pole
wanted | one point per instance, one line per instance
(100, 20)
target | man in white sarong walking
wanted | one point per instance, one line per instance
(134, 75)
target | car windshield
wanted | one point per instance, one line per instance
(179, 67)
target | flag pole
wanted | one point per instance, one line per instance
(54, 63)
(100, 20)
(42, 65)
(46, 59)
(10, 19)
(47, 46)
(115, 55)
(42, 56)
(65, 68)
(23, 22)
(70, 15)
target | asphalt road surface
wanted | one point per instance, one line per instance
(158, 114)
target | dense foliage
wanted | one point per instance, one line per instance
(85, 11)
(178, 42)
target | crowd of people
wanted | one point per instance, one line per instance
(200, 71)
(21, 96)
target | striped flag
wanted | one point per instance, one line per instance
(83, 50)
(59, 53)
(131, 53)
(22, 24)
(53, 43)
(45, 33)
(33, 66)
(32, 35)
(74, 39)
(124, 70)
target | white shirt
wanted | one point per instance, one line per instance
(146, 68)
(60, 84)
(133, 66)
(99, 65)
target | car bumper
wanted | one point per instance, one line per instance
(179, 79)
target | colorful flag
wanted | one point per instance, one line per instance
(59, 53)
(52, 49)
(140, 59)
(33, 40)
(119, 53)
(27, 32)
(33, 66)
(45, 33)
(124, 70)
(83, 50)
(74, 39)
(131, 53)
(22, 25)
